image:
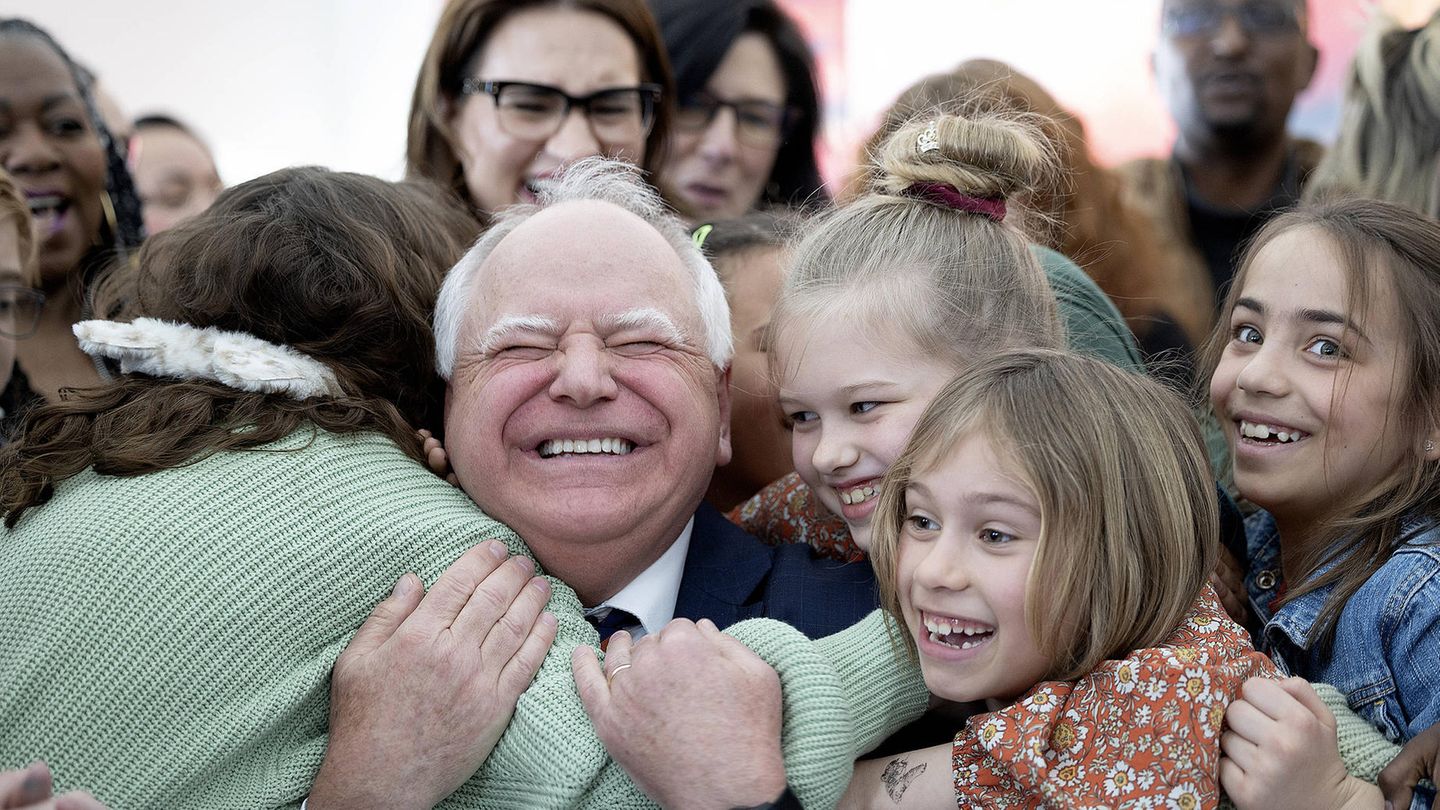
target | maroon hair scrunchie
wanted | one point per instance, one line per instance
(991, 208)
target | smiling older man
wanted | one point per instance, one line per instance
(587, 347)
(585, 342)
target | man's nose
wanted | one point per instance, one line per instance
(583, 375)
(1230, 37)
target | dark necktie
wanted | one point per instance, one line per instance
(609, 619)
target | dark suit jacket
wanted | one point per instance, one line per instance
(730, 576)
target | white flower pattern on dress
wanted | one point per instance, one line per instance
(1138, 732)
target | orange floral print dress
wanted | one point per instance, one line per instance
(1139, 732)
(787, 512)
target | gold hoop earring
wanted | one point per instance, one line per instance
(108, 206)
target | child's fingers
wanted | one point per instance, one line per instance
(1275, 701)
(1248, 721)
(1301, 690)
(1232, 776)
(1242, 752)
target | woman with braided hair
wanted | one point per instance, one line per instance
(72, 173)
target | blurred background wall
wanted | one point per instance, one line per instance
(272, 83)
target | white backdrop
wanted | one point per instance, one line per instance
(269, 83)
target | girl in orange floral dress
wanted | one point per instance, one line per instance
(1043, 542)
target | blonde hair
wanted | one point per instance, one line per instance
(1386, 148)
(1086, 216)
(1129, 526)
(14, 210)
(1371, 239)
(955, 283)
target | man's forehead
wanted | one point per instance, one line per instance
(586, 243)
(587, 260)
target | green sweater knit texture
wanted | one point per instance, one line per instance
(166, 640)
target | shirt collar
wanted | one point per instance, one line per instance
(651, 595)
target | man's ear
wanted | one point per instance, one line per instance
(722, 398)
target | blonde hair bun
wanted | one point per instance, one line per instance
(995, 155)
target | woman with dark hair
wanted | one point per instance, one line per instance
(748, 109)
(188, 547)
(72, 173)
(491, 116)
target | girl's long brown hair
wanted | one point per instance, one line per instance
(1372, 240)
(341, 267)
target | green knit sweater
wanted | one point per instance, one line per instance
(166, 640)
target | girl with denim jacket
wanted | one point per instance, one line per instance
(1326, 376)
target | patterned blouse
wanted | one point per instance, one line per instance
(786, 512)
(1142, 731)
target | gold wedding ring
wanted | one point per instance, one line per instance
(609, 679)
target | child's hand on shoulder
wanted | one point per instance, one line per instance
(436, 458)
(1419, 759)
(1280, 751)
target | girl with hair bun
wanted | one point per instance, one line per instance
(877, 312)
(892, 286)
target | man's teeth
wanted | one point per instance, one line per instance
(1252, 430)
(858, 495)
(953, 634)
(614, 447)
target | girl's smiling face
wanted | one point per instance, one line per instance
(853, 400)
(1309, 391)
(971, 530)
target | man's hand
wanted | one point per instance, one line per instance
(1419, 759)
(32, 789)
(428, 684)
(691, 714)
(1280, 751)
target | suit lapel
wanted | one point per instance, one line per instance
(725, 571)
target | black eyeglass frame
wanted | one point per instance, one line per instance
(788, 115)
(649, 92)
(1213, 16)
(36, 297)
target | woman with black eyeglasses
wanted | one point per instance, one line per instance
(512, 90)
(747, 109)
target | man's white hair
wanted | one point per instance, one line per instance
(603, 180)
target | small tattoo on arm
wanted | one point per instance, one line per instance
(897, 778)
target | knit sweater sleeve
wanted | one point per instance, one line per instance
(166, 640)
(1364, 749)
(842, 695)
